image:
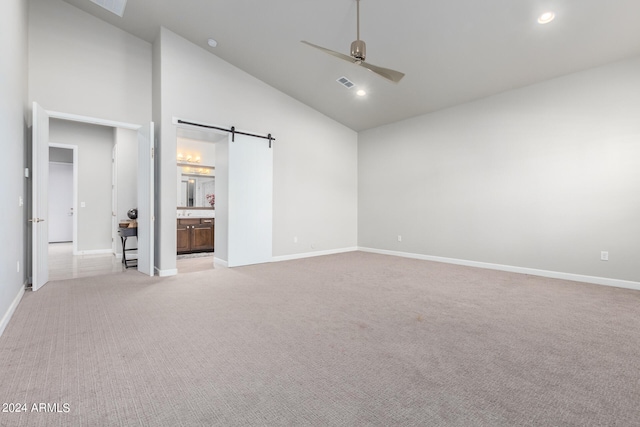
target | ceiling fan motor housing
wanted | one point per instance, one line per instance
(359, 50)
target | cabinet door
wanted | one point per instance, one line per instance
(202, 237)
(211, 222)
(183, 238)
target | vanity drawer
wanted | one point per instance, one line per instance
(189, 221)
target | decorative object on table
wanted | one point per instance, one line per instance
(211, 198)
(133, 214)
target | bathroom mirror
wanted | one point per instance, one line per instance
(195, 191)
(196, 160)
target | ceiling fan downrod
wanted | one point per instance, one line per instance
(358, 47)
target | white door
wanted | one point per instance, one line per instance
(250, 204)
(40, 197)
(60, 202)
(115, 239)
(146, 213)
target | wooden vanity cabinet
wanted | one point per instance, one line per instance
(202, 236)
(195, 235)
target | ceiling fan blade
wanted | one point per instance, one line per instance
(331, 52)
(393, 75)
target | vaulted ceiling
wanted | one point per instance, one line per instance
(452, 51)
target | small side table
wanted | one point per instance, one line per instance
(125, 233)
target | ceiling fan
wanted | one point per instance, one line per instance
(358, 54)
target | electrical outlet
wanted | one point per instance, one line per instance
(604, 256)
(399, 238)
(18, 267)
(83, 205)
(295, 239)
(20, 201)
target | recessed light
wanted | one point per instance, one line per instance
(546, 17)
(361, 92)
(212, 43)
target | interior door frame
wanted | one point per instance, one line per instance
(102, 122)
(74, 149)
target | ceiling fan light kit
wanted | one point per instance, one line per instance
(359, 54)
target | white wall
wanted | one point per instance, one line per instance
(156, 114)
(221, 231)
(13, 131)
(545, 177)
(60, 155)
(95, 144)
(127, 173)
(315, 158)
(205, 149)
(81, 65)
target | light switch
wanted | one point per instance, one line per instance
(83, 205)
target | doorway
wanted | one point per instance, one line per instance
(40, 203)
(80, 233)
(196, 188)
(243, 194)
(61, 194)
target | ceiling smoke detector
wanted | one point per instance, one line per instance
(113, 6)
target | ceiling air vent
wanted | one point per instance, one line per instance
(113, 6)
(346, 82)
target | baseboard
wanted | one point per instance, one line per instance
(166, 273)
(605, 281)
(313, 254)
(223, 263)
(94, 252)
(220, 262)
(12, 308)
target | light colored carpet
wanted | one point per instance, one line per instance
(341, 340)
